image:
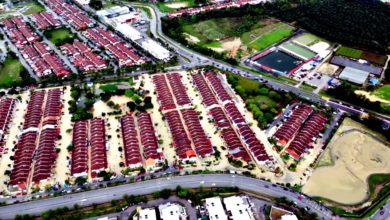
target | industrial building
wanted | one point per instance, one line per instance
(354, 75)
(121, 19)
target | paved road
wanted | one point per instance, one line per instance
(280, 117)
(383, 213)
(147, 187)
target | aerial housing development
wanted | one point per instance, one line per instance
(173, 110)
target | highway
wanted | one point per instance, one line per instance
(150, 186)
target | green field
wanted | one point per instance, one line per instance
(59, 36)
(164, 6)
(383, 92)
(108, 4)
(349, 52)
(213, 29)
(272, 37)
(10, 72)
(33, 7)
(307, 54)
(262, 34)
(307, 39)
(214, 44)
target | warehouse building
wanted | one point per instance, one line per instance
(354, 75)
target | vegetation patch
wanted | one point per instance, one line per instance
(10, 71)
(349, 52)
(170, 6)
(59, 36)
(383, 92)
(264, 102)
(33, 7)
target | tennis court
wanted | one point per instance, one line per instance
(297, 50)
(307, 39)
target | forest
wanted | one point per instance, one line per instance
(363, 24)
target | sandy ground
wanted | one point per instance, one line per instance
(355, 156)
(232, 45)
(62, 168)
(328, 69)
(160, 125)
(371, 97)
(177, 4)
(320, 46)
(192, 38)
(114, 156)
(15, 127)
(217, 49)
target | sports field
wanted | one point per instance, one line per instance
(273, 37)
(307, 39)
(349, 52)
(298, 50)
(9, 71)
(383, 92)
(59, 36)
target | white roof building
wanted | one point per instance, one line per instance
(172, 211)
(83, 2)
(215, 209)
(239, 208)
(113, 11)
(129, 32)
(289, 217)
(354, 75)
(155, 49)
(147, 214)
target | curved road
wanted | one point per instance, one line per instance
(150, 186)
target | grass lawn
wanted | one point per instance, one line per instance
(9, 72)
(147, 11)
(215, 44)
(295, 48)
(307, 88)
(383, 92)
(213, 29)
(349, 52)
(33, 7)
(59, 36)
(164, 6)
(248, 84)
(109, 4)
(272, 37)
(272, 77)
(264, 102)
(307, 39)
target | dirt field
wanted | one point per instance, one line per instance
(232, 45)
(177, 5)
(328, 69)
(191, 38)
(352, 156)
